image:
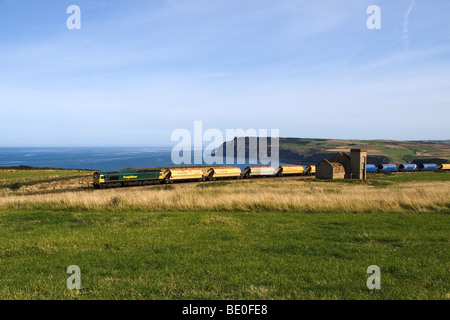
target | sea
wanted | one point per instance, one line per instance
(105, 159)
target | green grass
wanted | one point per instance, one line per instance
(228, 255)
(41, 175)
(203, 255)
(373, 142)
(397, 152)
(332, 145)
(27, 177)
(294, 146)
(387, 179)
(410, 176)
(426, 148)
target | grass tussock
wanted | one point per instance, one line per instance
(282, 195)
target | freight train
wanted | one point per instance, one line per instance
(407, 167)
(105, 179)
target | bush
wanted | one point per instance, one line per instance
(15, 186)
(115, 201)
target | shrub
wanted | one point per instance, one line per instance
(15, 186)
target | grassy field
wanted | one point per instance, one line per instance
(296, 194)
(379, 150)
(292, 238)
(34, 179)
(396, 177)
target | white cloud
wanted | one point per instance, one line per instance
(405, 34)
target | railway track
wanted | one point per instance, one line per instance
(156, 184)
(162, 183)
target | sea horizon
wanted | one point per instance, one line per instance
(95, 158)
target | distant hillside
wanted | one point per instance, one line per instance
(311, 151)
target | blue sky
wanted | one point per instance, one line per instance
(137, 70)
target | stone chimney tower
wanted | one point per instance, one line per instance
(359, 162)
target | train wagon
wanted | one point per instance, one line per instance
(428, 166)
(387, 167)
(215, 173)
(444, 166)
(310, 170)
(291, 170)
(105, 179)
(371, 168)
(183, 174)
(408, 167)
(262, 171)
